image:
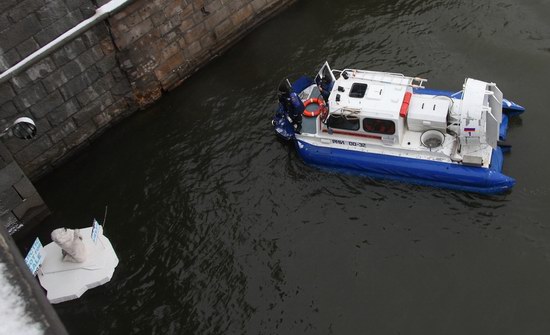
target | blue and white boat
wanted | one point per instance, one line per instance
(387, 125)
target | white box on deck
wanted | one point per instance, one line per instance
(428, 112)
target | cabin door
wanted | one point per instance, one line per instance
(325, 80)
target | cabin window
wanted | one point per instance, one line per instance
(358, 90)
(343, 122)
(385, 127)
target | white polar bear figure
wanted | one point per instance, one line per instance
(71, 244)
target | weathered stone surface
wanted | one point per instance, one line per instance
(8, 59)
(25, 188)
(33, 150)
(79, 83)
(59, 133)
(63, 112)
(20, 31)
(7, 110)
(6, 93)
(51, 12)
(41, 69)
(149, 47)
(9, 199)
(48, 34)
(10, 175)
(30, 96)
(27, 47)
(24, 9)
(69, 52)
(52, 101)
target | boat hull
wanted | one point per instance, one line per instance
(410, 170)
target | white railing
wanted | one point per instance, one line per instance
(100, 14)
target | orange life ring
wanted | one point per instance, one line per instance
(316, 112)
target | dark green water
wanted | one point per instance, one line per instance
(221, 229)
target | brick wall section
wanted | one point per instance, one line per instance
(162, 42)
(72, 95)
(117, 67)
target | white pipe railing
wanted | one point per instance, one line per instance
(100, 14)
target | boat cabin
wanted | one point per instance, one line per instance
(381, 107)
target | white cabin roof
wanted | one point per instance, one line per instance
(382, 99)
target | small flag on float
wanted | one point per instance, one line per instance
(95, 231)
(35, 258)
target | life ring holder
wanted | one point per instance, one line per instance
(315, 113)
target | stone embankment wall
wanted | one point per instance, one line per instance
(121, 65)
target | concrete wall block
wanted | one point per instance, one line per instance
(43, 162)
(195, 33)
(7, 4)
(158, 18)
(76, 4)
(235, 5)
(10, 175)
(24, 9)
(9, 199)
(6, 93)
(208, 41)
(5, 155)
(217, 17)
(124, 40)
(92, 92)
(111, 113)
(87, 113)
(61, 76)
(194, 50)
(20, 82)
(8, 111)
(131, 8)
(86, 59)
(149, 8)
(84, 132)
(8, 59)
(54, 30)
(166, 27)
(43, 126)
(25, 188)
(96, 34)
(51, 12)
(34, 149)
(32, 202)
(41, 69)
(27, 47)
(69, 52)
(122, 89)
(242, 16)
(107, 46)
(63, 112)
(259, 5)
(170, 66)
(224, 28)
(44, 106)
(4, 22)
(107, 64)
(79, 83)
(147, 90)
(30, 96)
(65, 129)
(213, 6)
